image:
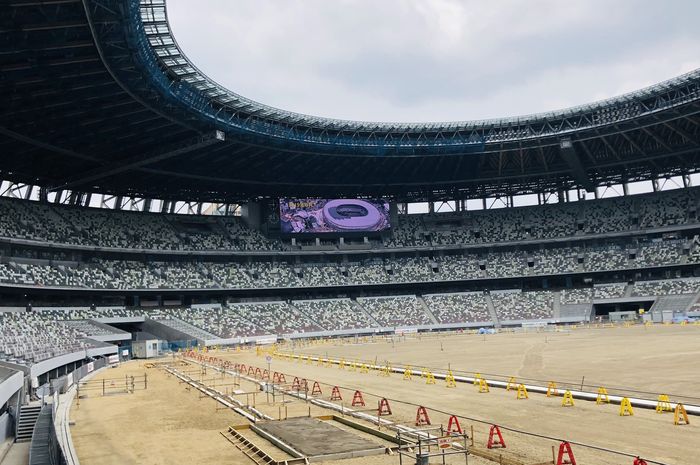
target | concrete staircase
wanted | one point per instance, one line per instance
(358, 306)
(672, 303)
(194, 332)
(28, 414)
(580, 311)
(492, 311)
(308, 317)
(426, 309)
(556, 305)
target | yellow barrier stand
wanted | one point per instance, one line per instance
(477, 377)
(522, 392)
(364, 368)
(429, 378)
(626, 407)
(552, 389)
(663, 404)
(353, 366)
(680, 416)
(385, 371)
(450, 380)
(511, 384)
(602, 397)
(483, 386)
(568, 399)
(341, 365)
(407, 373)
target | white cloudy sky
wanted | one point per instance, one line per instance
(436, 60)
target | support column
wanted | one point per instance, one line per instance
(59, 194)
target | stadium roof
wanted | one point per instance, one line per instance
(98, 97)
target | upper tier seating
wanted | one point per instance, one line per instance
(618, 214)
(156, 274)
(136, 230)
(130, 230)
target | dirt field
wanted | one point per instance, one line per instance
(164, 424)
(168, 424)
(659, 359)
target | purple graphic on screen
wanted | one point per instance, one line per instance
(333, 215)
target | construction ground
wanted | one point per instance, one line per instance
(176, 418)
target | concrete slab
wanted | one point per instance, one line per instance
(18, 454)
(319, 440)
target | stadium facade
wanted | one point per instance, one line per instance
(99, 101)
(100, 98)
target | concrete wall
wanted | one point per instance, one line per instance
(44, 366)
(5, 427)
(251, 214)
(10, 386)
(164, 332)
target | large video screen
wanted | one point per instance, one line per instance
(313, 216)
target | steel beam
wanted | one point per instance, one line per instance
(138, 162)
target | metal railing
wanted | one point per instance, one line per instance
(45, 449)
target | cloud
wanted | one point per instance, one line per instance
(439, 60)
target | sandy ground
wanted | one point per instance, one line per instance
(161, 425)
(660, 359)
(167, 423)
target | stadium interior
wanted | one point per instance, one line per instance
(147, 212)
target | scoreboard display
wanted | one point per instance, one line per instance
(314, 216)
